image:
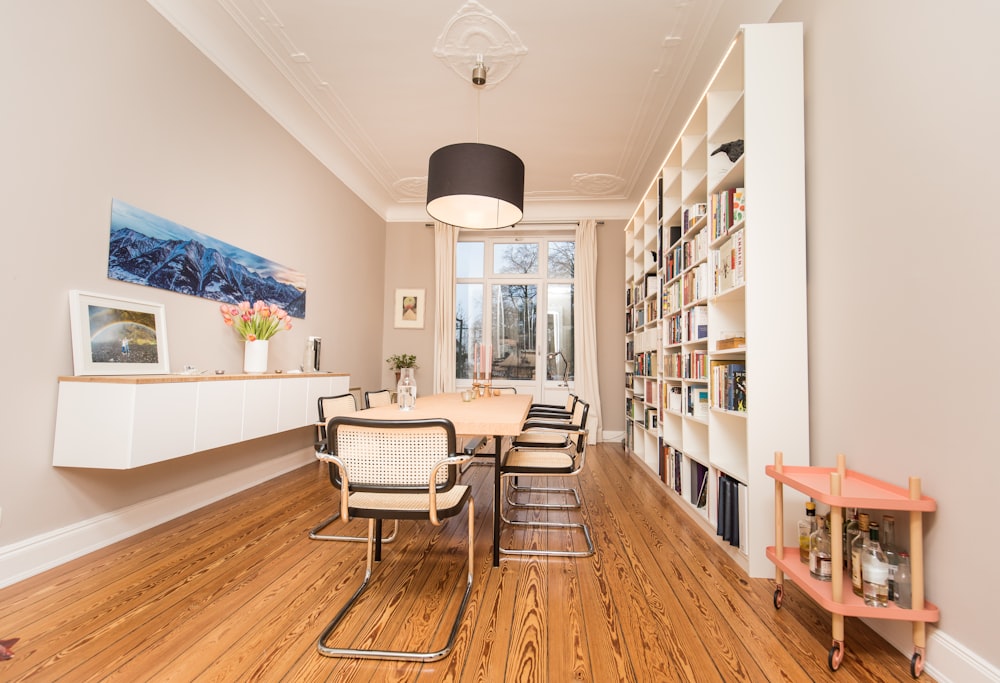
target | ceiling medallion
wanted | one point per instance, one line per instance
(473, 31)
(414, 187)
(597, 184)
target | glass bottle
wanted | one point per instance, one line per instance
(807, 525)
(850, 533)
(406, 390)
(857, 544)
(874, 571)
(887, 539)
(904, 583)
(820, 556)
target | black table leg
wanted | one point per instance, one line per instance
(498, 442)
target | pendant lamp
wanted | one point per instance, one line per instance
(474, 185)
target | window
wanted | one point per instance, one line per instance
(501, 285)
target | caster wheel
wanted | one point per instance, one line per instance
(836, 656)
(916, 665)
(779, 595)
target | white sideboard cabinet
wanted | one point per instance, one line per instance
(123, 422)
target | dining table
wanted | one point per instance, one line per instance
(496, 416)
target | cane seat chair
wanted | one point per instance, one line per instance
(381, 397)
(558, 435)
(390, 470)
(328, 408)
(552, 410)
(530, 461)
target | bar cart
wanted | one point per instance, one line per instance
(842, 488)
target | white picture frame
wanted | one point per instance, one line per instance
(117, 336)
(408, 308)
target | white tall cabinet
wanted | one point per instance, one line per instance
(716, 365)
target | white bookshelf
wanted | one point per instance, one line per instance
(756, 95)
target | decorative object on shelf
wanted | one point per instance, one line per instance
(475, 185)
(408, 306)
(310, 362)
(406, 390)
(733, 150)
(256, 325)
(142, 242)
(116, 336)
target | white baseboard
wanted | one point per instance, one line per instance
(946, 659)
(608, 435)
(34, 555)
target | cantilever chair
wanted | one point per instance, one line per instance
(550, 434)
(381, 397)
(388, 470)
(531, 461)
(553, 411)
(330, 407)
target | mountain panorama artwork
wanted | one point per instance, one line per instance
(148, 250)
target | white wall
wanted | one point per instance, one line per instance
(104, 100)
(901, 114)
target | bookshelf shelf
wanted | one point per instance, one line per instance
(729, 239)
(841, 488)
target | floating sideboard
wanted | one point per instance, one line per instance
(122, 422)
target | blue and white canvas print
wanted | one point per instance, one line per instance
(146, 249)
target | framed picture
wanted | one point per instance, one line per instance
(116, 336)
(409, 305)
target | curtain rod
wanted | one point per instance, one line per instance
(431, 225)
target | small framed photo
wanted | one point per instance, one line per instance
(116, 336)
(409, 305)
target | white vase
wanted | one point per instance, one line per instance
(255, 356)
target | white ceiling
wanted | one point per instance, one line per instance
(589, 93)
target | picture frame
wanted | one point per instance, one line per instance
(117, 336)
(408, 308)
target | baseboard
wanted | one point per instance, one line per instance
(34, 555)
(946, 659)
(613, 435)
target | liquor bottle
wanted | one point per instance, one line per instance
(857, 585)
(807, 525)
(850, 533)
(887, 539)
(904, 585)
(874, 571)
(820, 556)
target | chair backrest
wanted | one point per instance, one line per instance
(334, 406)
(381, 397)
(392, 455)
(506, 390)
(580, 412)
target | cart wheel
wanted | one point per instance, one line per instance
(779, 594)
(836, 656)
(916, 664)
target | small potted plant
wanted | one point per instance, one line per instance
(399, 361)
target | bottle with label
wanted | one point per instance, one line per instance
(807, 525)
(820, 554)
(887, 539)
(850, 533)
(904, 583)
(406, 390)
(856, 545)
(874, 570)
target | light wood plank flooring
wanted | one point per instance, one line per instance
(237, 592)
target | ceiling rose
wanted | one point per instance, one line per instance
(476, 32)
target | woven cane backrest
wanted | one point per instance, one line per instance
(382, 397)
(382, 455)
(335, 406)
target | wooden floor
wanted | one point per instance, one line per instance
(237, 592)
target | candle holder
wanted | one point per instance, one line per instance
(482, 388)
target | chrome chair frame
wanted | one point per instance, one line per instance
(545, 462)
(376, 499)
(555, 435)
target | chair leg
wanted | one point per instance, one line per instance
(513, 489)
(547, 525)
(432, 656)
(316, 536)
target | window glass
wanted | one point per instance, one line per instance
(515, 315)
(468, 326)
(521, 258)
(469, 259)
(559, 333)
(562, 256)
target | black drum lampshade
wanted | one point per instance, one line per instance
(477, 186)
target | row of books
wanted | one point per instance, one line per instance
(645, 364)
(697, 283)
(726, 209)
(687, 365)
(731, 511)
(729, 263)
(728, 382)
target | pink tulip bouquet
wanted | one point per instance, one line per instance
(260, 321)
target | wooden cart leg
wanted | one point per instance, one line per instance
(836, 655)
(779, 531)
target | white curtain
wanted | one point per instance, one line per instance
(445, 242)
(585, 325)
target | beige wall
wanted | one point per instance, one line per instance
(901, 111)
(104, 100)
